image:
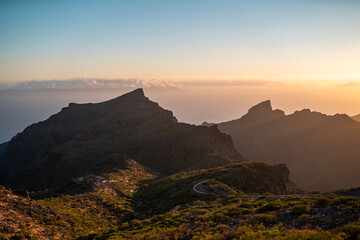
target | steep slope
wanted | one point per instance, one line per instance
(321, 151)
(93, 138)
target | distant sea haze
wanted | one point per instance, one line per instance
(22, 104)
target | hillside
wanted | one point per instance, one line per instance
(132, 204)
(93, 138)
(268, 218)
(79, 207)
(321, 151)
(97, 204)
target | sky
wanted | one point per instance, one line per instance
(206, 60)
(278, 40)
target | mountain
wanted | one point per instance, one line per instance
(356, 117)
(321, 151)
(93, 138)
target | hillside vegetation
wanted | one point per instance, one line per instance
(104, 215)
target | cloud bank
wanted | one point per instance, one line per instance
(99, 83)
(350, 84)
(86, 83)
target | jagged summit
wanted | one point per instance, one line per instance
(264, 106)
(256, 115)
(137, 94)
(265, 109)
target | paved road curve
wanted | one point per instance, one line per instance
(198, 188)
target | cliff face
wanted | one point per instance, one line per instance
(93, 138)
(321, 151)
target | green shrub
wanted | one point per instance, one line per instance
(246, 211)
(352, 230)
(347, 201)
(266, 218)
(304, 218)
(293, 203)
(246, 205)
(322, 202)
(272, 206)
(300, 209)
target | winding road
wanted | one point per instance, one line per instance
(198, 188)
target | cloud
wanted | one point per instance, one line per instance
(232, 83)
(87, 83)
(100, 83)
(349, 84)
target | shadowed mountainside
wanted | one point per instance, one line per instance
(321, 151)
(93, 138)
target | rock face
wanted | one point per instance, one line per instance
(256, 115)
(92, 138)
(322, 152)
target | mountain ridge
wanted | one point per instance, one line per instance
(320, 150)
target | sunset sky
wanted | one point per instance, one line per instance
(222, 56)
(297, 40)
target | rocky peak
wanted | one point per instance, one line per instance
(261, 108)
(256, 115)
(134, 96)
(137, 93)
(264, 110)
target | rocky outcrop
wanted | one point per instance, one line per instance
(256, 115)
